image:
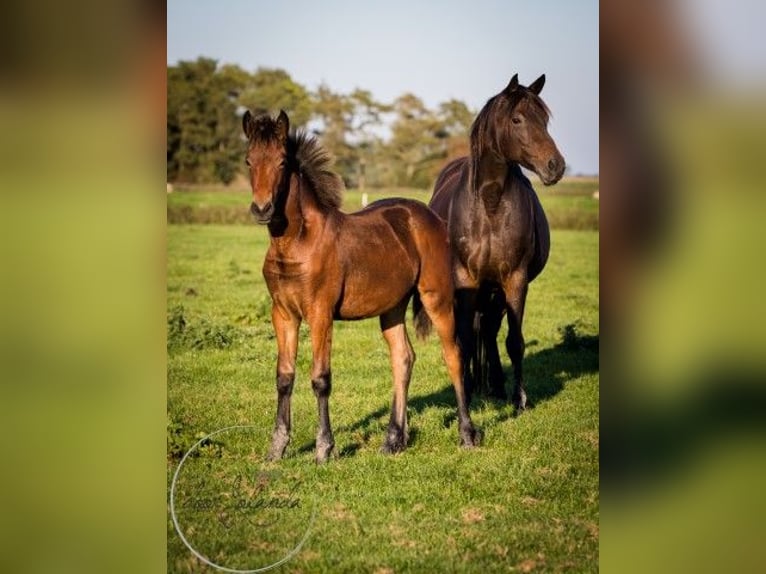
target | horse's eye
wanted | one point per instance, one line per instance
(516, 120)
(247, 162)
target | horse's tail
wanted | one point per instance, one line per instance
(420, 318)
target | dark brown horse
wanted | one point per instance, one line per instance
(497, 228)
(323, 264)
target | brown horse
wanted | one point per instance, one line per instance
(497, 228)
(323, 264)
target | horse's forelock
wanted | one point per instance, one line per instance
(264, 130)
(535, 106)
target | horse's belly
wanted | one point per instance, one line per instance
(372, 291)
(491, 259)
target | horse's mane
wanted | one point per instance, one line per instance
(310, 159)
(315, 163)
(485, 137)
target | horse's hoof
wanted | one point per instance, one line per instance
(323, 452)
(393, 447)
(323, 457)
(276, 452)
(273, 456)
(520, 401)
(396, 440)
(279, 441)
(470, 438)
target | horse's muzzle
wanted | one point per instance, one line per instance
(553, 171)
(262, 214)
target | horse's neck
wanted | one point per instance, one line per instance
(490, 182)
(301, 211)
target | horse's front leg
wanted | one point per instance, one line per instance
(515, 288)
(321, 381)
(286, 329)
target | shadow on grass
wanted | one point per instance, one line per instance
(546, 371)
(545, 374)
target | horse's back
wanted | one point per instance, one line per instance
(405, 216)
(396, 226)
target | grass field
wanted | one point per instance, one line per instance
(527, 500)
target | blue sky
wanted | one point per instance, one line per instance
(466, 50)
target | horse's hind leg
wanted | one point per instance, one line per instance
(286, 329)
(437, 302)
(464, 319)
(492, 308)
(402, 359)
(516, 294)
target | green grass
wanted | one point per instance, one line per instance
(569, 204)
(527, 499)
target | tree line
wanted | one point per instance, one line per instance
(375, 144)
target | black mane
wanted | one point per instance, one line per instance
(315, 163)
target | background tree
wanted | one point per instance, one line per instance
(334, 113)
(375, 144)
(365, 135)
(456, 119)
(346, 125)
(416, 147)
(271, 89)
(203, 142)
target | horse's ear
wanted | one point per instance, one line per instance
(537, 86)
(283, 126)
(247, 123)
(513, 84)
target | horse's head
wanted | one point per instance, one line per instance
(521, 130)
(266, 159)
